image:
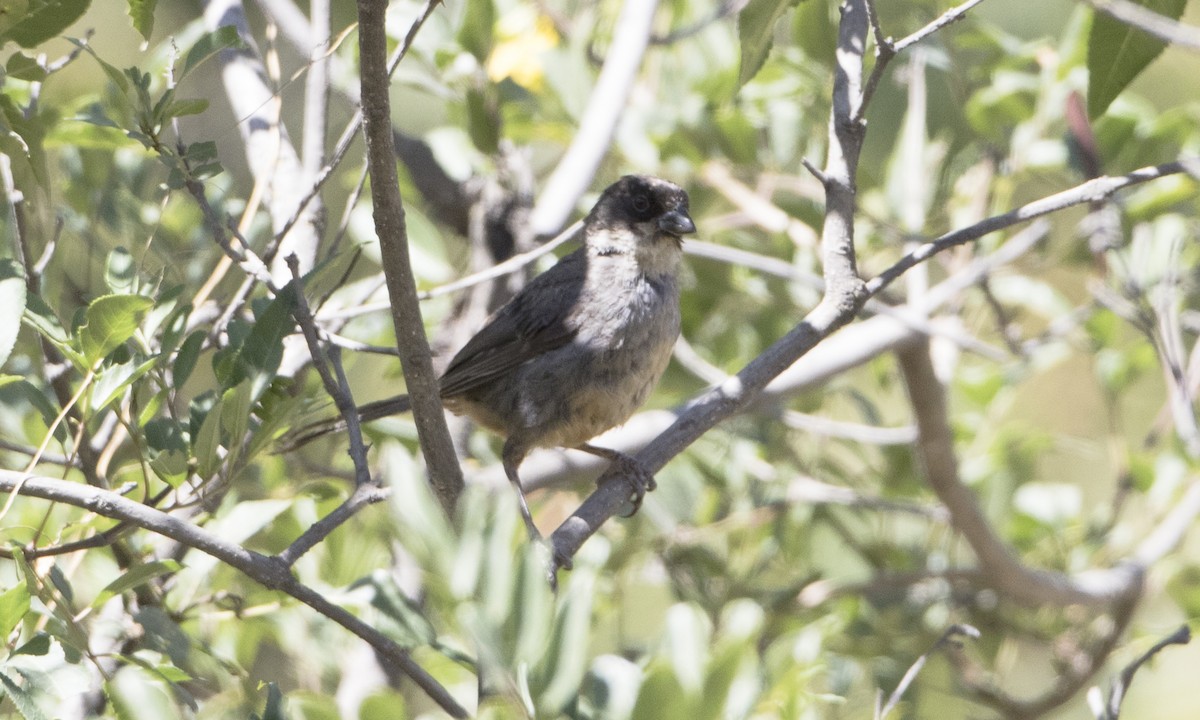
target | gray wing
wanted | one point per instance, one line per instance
(537, 320)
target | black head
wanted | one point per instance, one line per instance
(648, 207)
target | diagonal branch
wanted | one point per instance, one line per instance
(1002, 569)
(268, 571)
(843, 297)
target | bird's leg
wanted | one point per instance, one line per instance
(511, 457)
(630, 468)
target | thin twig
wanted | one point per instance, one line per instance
(1120, 685)
(363, 495)
(335, 387)
(952, 15)
(950, 637)
(1095, 190)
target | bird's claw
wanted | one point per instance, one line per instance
(639, 478)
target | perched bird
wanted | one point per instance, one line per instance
(580, 347)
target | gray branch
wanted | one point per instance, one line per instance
(268, 571)
(272, 158)
(574, 173)
(388, 211)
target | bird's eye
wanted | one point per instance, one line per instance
(641, 203)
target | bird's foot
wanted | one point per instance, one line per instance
(639, 477)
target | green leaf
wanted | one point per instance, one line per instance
(207, 444)
(202, 159)
(167, 450)
(185, 359)
(476, 35)
(563, 666)
(39, 644)
(141, 12)
(413, 628)
(1117, 53)
(1184, 589)
(135, 577)
(40, 20)
(179, 108)
(23, 138)
(41, 317)
(110, 321)
(274, 708)
(162, 633)
(112, 382)
(14, 603)
(660, 696)
(814, 30)
(262, 349)
(40, 403)
(120, 272)
(22, 699)
(483, 122)
(236, 404)
(167, 672)
(61, 583)
(114, 74)
(93, 131)
(209, 45)
(756, 31)
(171, 466)
(12, 299)
(687, 645)
(22, 67)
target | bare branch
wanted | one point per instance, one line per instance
(388, 209)
(867, 434)
(364, 494)
(886, 48)
(336, 387)
(1095, 190)
(952, 15)
(851, 347)
(950, 637)
(1120, 685)
(843, 297)
(268, 571)
(511, 265)
(269, 152)
(1000, 566)
(574, 173)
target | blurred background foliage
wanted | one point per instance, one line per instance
(787, 567)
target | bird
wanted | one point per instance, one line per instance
(579, 349)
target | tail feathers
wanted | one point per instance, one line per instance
(300, 437)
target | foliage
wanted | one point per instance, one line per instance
(794, 561)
